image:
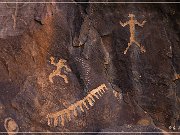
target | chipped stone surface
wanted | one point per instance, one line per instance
(91, 40)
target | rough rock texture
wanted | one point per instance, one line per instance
(89, 37)
(132, 129)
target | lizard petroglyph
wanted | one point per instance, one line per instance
(132, 23)
(57, 72)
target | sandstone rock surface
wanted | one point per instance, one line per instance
(91, 41)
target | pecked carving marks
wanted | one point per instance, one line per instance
(61, 64)
(60, 116)
(85, 71)
(90, 38)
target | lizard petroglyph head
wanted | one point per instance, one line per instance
(131, 15)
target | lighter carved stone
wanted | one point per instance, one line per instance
(57, 72)
(132, 23)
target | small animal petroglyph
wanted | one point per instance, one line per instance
(61, 64)
(59, 117)
(132, 23)
(11, 126)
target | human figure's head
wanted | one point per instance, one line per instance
(62, 61)
(131, 15)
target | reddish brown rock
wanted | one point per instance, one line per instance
(91, 40)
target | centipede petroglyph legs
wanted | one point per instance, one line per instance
(86, 102)
(59, 117)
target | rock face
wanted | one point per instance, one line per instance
(53, 56)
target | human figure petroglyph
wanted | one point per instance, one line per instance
(57, 72)
(131, 24)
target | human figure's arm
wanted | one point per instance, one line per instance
(67, 68)
(124, 24)
(52, 61)
(140, 24)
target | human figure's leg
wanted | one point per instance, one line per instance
(141, 47)
(50, 78)
(129, 44)
(64, 77)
